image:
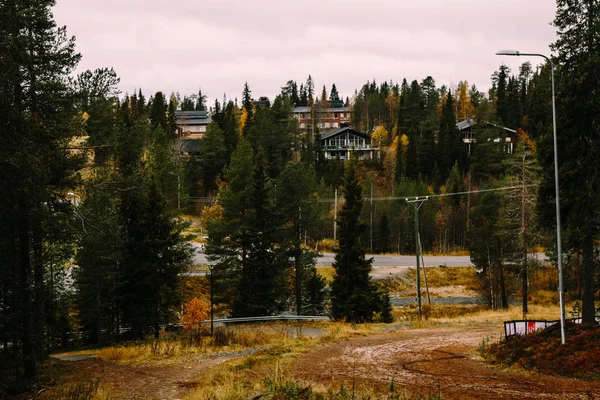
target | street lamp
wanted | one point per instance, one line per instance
(561, 294)
(211, 267)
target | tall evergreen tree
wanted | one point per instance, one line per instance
(295, 202)
(334, 95)
(36, 169)
(200, 101)
(578, 48)
(502, 101)
(158, 112)
(522, 171)
(354, 296)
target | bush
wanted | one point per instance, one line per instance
(579, 357)
(195, 313)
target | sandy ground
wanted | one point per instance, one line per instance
(420, 361)
(423, 361)
(151, 381)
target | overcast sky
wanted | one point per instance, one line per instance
(178, 46)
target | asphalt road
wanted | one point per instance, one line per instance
(326, 259)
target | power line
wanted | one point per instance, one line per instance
(428, 196)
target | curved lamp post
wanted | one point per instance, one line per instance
(561, 294)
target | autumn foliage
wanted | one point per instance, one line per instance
(195, 312)
(578, 357)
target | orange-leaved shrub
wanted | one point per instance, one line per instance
(195, 312)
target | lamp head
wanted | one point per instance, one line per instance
(508, 53)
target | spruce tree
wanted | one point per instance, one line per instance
(36, 169)
(295, 202)
(578, 118)
(354, 296)
(200, 101)
(158, 112)
(334, 95)
(261, 283)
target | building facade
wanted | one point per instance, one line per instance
(335, 116)
(192, 124)
(340, 143)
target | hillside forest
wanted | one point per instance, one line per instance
(97, 189)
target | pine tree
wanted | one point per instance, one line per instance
(522, 170)
(36, 169)
(310, 91)
(200, 101)
(261, 284)
(295, 189)
(446, 153)
(212, 156)
(247, 110)
(354, 296)
(98, 91)
(98, 257)
(578, 110)
(334, 95)
(502, 102)
(487, 248)
(158, 112)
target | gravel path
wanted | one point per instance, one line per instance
(423, 361)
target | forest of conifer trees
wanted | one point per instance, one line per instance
(95, 186)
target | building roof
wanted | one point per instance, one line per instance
(344, 129)
(191, 114)
(305, 109)
(464, 124)
(192, 117)
(467, 123)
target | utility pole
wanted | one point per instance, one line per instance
(417, 203)
(371, 217)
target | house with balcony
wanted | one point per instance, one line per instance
(336, 115)
(339, 143)
(192, 124)
(503, 135)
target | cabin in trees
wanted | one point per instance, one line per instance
(334, 116)
(191, 124)
(501, 134)
(339, 143)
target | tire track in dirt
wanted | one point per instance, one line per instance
(423, 360)
(153, 381)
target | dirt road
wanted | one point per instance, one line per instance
(427, 360)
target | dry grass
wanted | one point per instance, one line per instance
(326, 272)
(226, 339)
(270, 379)
(193, 230)
(444, 276)
(537, 312)
(263, 372)
(459, 252)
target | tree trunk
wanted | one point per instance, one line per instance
(27, 327)
(39, 295)
(297, 256)
(587, 278)
(524, 240)
(503, 290)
